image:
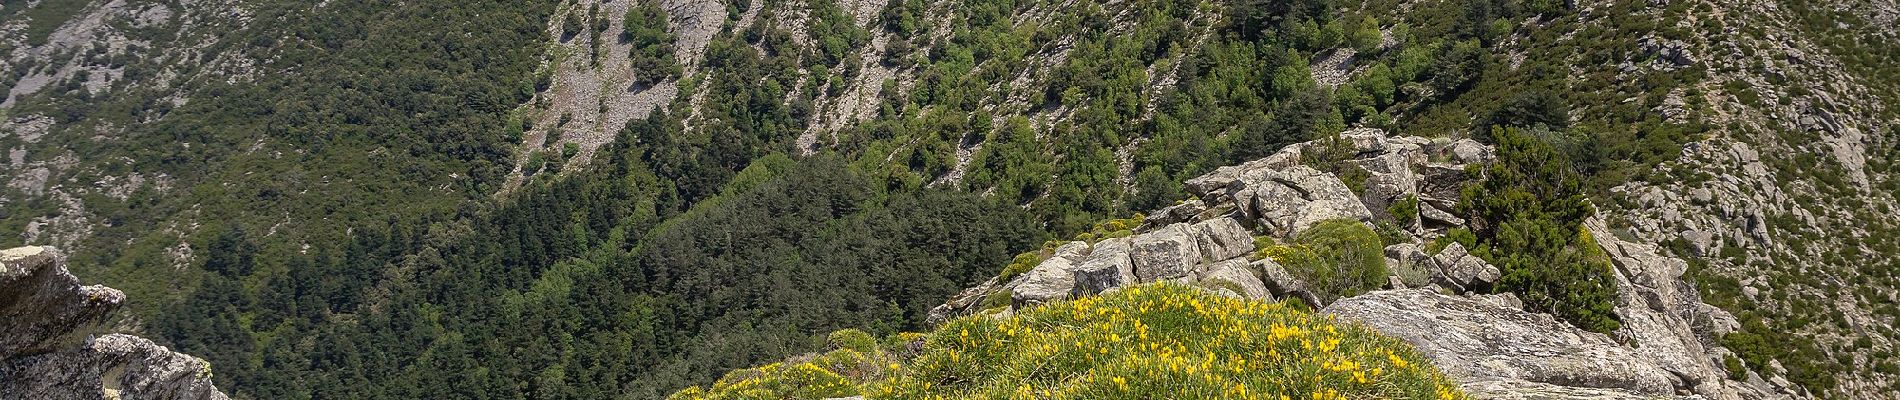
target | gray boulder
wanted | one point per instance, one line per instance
(1474, 340)
(1439, 183)
(1222, 238)
(1178, 213)
(1512, 389)
(1169, 252)
(1365, 140)
(1391, 180)
(1661, 313)
(1429, 212)
(1236, 275)
(1108, 266)
(1458, 270)
(1289, 200)
(113, 366)
(1471, 152)
(1053, 279)
(1073, 251)
(1410, 264)
(1213, 187)
(1282, 283)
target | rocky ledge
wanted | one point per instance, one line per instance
(1666, 346)
(48, 348)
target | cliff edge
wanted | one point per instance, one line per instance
(48, 347)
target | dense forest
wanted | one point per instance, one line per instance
(701, 240)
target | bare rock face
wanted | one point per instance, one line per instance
(115, 366)
(1052, 280)
(1222, 238)
(44, 307)
(47, 348)
(1522, 390)
(1289, 200)
(1477, 339)
(1108, 266)
(1460, 271)
(1665, 317)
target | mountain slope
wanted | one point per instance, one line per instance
(348, 199)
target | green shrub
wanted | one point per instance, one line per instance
(1404, 211)
(1150, 341)
(652, 46)
(1526, 217)
(1018, 266)
(1734, 366)
(1337, 258)
(1390, 234)
(852, 339)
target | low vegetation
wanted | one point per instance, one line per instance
(1338, 258)
(1150, 341)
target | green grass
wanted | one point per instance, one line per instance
(1150, 341)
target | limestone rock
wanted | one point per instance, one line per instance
(1476, 340)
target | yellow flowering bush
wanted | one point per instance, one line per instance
(1150, 341)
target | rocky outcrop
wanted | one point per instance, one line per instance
(1209, 240)
(1285, 201)
(1237, 275)
(1665, 347)
(48, 349)
(1456, 269)
(114, 366)
(1662, 315)
(44, 306)
(1165, 254)
(1480, 338)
